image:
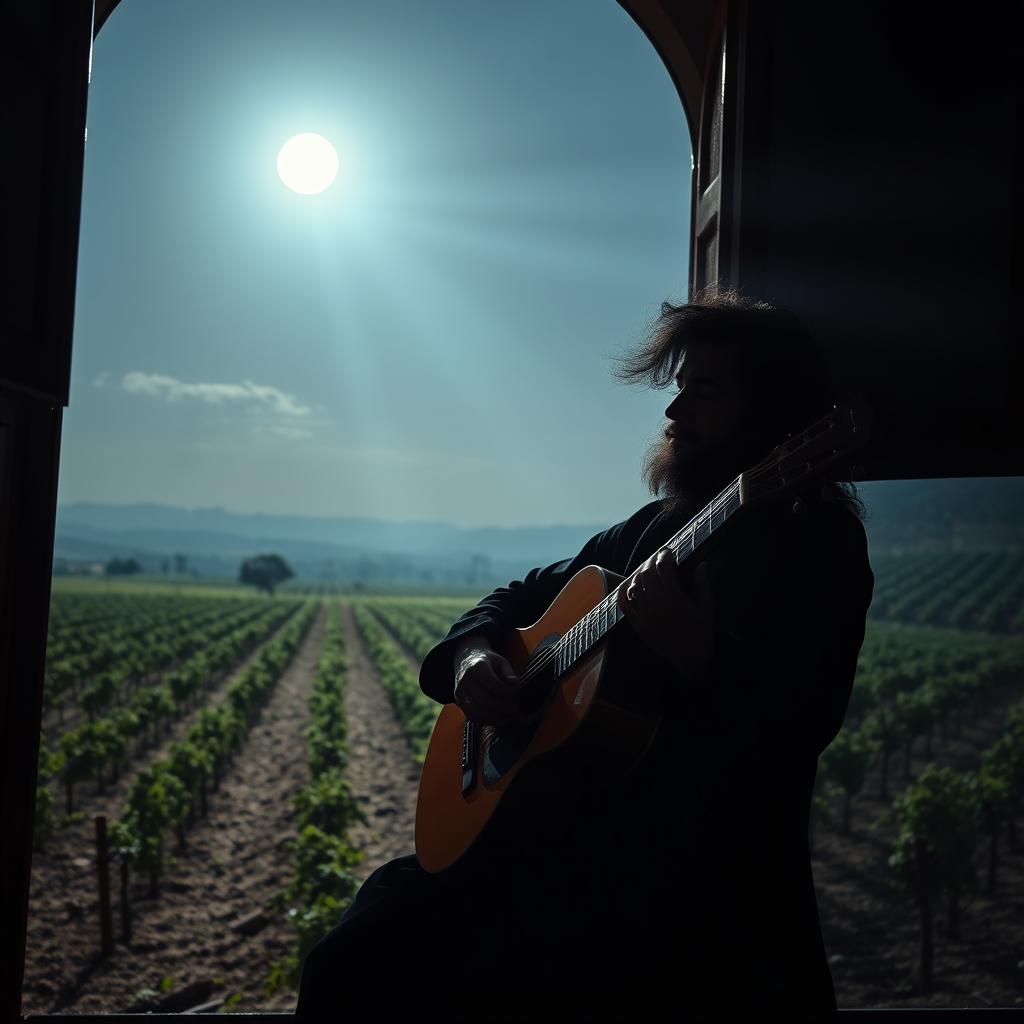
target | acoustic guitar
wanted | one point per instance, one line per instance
(585, 726)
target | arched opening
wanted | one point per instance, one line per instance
(372, 359)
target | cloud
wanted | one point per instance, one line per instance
(171, 389)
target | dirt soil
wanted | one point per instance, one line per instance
(871, 926)
(381, 768)
(205, 937)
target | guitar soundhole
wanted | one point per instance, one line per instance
(537, 691)
(505, 747)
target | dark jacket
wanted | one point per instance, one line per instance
(700, 857)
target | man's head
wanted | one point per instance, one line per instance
(745, 375)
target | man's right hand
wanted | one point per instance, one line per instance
(486, 686)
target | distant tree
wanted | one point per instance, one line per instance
(265, 572)
(165, 566)
(180, 564)
(122, 567)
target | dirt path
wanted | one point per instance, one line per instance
(410, 658)
(190, 936)
(381, 768)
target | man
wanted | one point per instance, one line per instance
(689, 882)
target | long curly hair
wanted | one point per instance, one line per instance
(783, 374)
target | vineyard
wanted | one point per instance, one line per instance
(253, 759)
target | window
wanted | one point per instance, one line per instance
(372, 382)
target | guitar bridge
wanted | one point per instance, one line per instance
(470, 750)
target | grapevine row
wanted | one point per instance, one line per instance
(172, 792)
(104, 743)
(322, 884)
(415, 711)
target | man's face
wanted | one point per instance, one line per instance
(703, 437)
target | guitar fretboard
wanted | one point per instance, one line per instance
(596, 624)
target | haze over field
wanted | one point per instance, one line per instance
(903, 516)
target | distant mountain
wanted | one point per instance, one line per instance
(410, 536)
(903, 515)
(215, 541)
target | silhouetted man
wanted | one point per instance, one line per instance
(687, 886)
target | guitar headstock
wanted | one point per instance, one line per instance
(803, 457)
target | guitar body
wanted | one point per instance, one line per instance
(591, 727)
(593, 697)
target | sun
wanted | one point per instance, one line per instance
(307, 163)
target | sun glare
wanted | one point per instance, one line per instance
(307, 163)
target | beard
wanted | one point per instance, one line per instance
(687, 481)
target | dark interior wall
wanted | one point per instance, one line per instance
(44, 70)
(879, 199)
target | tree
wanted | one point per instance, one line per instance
(265, 572)
(180, 564)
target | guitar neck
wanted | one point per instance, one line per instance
(800, 458)
(604, 616)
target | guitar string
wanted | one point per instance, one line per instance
(687, 533)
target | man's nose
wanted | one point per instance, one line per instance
(675, 407)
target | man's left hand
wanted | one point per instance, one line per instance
(666, 619)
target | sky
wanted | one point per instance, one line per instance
(429, 338)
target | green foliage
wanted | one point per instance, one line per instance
(150, 810)
(321, 885)
(265, 572)
(845, 761)
(160, 798)
(44, 817)
(231, 1002)
(321, 888)
(958, 589)
(328, 804)
(938, 820)
(122, 838)
(83, 752)
(992, 793)
(884, 728)
(191, 764)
